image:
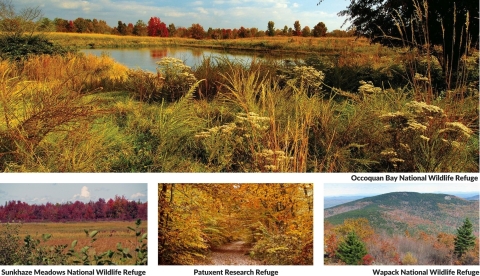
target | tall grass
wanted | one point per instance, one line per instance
(83, 113)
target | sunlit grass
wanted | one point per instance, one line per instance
(110, 233)
(82, 113)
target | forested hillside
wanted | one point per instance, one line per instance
(404, 228)
(250, 223)
(398, 212)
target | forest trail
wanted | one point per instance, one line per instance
(232, 254)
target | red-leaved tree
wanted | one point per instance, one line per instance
(156, 27)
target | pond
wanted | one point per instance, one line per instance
(146, 58)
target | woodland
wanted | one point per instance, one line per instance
(403, 228)
(118, 208)
(235, 224)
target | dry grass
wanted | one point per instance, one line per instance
(110, 233)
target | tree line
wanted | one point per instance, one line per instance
(155, 27)
(118, 208)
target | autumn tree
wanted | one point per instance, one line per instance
(156, 27)
(297, 29)
(140, 28)
(18, 23)
(172, 30)
(351, 250)
(464, 240)
(197, 31)
(122, 28)
(194, 218)
(271, 28)
(306, 31)
(320, 30)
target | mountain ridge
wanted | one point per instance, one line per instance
(397, 212)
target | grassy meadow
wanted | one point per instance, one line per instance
(277, 44)
(362, 108)
(110, 236)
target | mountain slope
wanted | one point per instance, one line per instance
(400, 211)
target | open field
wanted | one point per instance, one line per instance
(110, 234)
(293, 46)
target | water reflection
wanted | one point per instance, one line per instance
(146, 58)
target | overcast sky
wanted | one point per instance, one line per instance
(376, 189)
(59, 193)
(208, 13)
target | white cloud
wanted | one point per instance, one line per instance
(137, 195)
(202, 10)
(84, 194)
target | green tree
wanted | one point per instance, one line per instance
(140, 28)
(306, 31)
(172, 29)
(352, 250)
(425, 24)
(271, 28)
(319, 30)
(297, 28)
(464, 239)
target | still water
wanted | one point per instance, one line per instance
(146, 58)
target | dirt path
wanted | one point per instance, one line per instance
(232, 254)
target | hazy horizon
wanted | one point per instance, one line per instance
(355, 189)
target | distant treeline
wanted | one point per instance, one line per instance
(155, 27)
(118, 208)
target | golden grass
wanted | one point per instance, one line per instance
(110, 233)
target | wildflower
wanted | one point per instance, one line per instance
(425, 138)
(458, 128)
(415, 126)
(420, 77)
(425, 110)
(367, 88)
(389, 152)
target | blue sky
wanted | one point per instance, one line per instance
(36, 193)
(211, 13)
(338, 189)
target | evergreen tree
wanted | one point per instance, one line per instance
(465, 239)
(352, 250)
(271, 28)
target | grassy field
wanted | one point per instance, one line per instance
(363, 110)
(294, 46)
(110, 233)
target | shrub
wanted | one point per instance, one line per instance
(409, 259)
(178, 78)
(280, 249)
(10, 250)
(20, 47)
(145, 86)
